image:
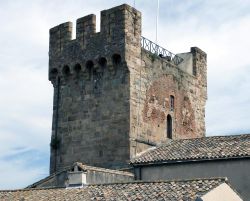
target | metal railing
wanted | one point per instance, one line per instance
(160, 51)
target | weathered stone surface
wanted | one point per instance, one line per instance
(152, 84)
(112, 97)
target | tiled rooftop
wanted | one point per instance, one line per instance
(83, 168)
(207, 148)
(162, 190)
(99, 169)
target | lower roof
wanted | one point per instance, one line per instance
(206, 148)
(84, 168)
(160, 190)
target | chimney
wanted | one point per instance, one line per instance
(76, 178)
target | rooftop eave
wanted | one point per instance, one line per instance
(188, 160)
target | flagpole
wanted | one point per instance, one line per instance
(157, 20)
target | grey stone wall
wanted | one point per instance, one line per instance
(111, 97)
(91, 89)
(236, 170)
(92, 177)
(96, 177)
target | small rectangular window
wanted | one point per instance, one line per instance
(172, 103)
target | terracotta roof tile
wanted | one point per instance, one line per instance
(161, 190)
(216, 147)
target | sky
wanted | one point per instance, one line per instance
(219, 27)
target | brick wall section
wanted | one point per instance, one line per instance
(152, 83)
(111, 97)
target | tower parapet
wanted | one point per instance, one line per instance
(113, 98)
(90, 76)
(120, 32)
(85, 29)
(60, 37)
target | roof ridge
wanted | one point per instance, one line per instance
(231, 135)
(101, 169)
(130, 182)
(205, 148)
(32, 189)
(67, 168)
(200, 138)
(212, 136)
(163, 181)
(49, 176)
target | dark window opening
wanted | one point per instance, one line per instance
(54, 72)
(116, 58)
(66, 70)
(194, 70)
(77, 68)
(102, 62)
(169, 127)
(172, 103)
(75, 169)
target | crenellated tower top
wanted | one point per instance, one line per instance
(117, 93)
(120, 32)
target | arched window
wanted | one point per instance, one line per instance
(169, 127)
(116, 59)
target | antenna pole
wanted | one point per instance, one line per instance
(157, 19)
(134, 3)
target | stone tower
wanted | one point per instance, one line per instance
(117, 93)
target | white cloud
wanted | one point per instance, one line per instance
(221, 28)
(22, 170)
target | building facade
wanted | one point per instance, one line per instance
(208, 157)
(117, 93)
(123, 102)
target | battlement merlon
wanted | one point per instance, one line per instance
(195, 64)
(200, 68)
(117, 24)
(59, 37)
(85, 28)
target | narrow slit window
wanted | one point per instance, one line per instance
(172, 103)
(169, 127)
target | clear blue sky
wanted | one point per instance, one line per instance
(219, 27)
